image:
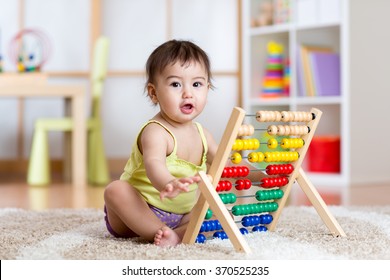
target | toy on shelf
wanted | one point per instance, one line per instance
(282, 11)
(270, 193)
(29, 49)
(277, 74)
(265, 15)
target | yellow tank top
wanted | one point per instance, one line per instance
(135, 174)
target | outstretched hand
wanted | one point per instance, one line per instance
(177, 186)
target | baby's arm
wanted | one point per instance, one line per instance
(155, 145)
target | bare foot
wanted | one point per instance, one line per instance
(166, 237)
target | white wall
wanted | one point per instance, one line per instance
(135, 28)
(370, 91)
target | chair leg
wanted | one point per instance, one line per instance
(39, 164)
(98, 173)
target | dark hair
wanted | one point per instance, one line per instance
(172, 51)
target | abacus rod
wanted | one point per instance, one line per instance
(245, 196)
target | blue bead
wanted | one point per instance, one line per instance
(244, 231)
(224, 235)
(259, 228)
(208, 226)
(268, 219)
(202, 227)
(200, 238)
(218, 225)
(246, 221)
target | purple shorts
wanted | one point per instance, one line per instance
(172, 220)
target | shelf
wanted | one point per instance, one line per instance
(320, 100)
(287, 27)
(284, 101)
(301, 27)
(277, 101)
(270, 29)
(325, 31)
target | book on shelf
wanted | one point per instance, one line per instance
(326, 73)
(318, 71)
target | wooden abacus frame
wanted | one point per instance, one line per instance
(210, 198)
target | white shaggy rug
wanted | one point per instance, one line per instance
(300, 234)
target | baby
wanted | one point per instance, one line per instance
(158, 189)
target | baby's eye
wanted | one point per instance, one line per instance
(197, 84)
(175, 84)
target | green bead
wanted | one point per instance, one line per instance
(236, 210)
(248, 209)
(224, 198)
(233, 198)
(209, 214)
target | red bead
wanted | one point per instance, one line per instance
(245, 171)
(240, 185)
(248, 184)
(223, 185)
(224, 172)
(290, 168)
(265, 182)
(234, 171)
(228, 185)
(218, 187)
(269, 169)
(239, 171)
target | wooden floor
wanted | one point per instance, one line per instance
(14, 192)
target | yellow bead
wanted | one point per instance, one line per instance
(253, 157)
(256, 144)
(272, 143)
(285, 143)
(236, 158)
(234, 145)
(239, 145)
(261, 157)
(267, 157)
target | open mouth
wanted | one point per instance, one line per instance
(187, 108)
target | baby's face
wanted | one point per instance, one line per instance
(181, 91)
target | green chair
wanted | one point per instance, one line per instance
(97, 168)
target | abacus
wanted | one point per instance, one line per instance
(273, 190)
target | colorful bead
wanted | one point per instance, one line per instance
(220, 234)
(236, 158)
(259, 228)
(209, 214)
(200, 238)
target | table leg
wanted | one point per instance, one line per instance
(79, 141)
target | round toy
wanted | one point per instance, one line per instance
(29, 49)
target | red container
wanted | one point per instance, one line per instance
(324, 154)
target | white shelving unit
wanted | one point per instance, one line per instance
(311, 29)
(360, 115)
